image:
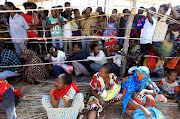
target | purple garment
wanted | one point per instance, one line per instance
(108, 32)
(77, 33)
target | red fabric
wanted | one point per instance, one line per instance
(4, 86)
(150, 102)
(18, 93)
(58, 93)
(161, 82)
(151, 61)
(176, 88)
(139, 101)
(111, 42)
(28, 18)
(31, 34)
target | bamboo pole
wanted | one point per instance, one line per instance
(128, 32)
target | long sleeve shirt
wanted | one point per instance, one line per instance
(98, 59)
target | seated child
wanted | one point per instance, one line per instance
(57, 56)
(104, 89)
(169, 87)
(116, 61)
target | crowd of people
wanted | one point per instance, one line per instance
(25, 49)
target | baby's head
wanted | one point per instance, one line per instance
(172, 75)
(117, 47)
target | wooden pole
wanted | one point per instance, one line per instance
(128, 32)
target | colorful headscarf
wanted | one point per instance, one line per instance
(140, 80)
(4, 86)
(29, 52)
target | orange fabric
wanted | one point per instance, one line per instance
(171, 64)
(161, 82)
(18, 93)
(176, 88)
(30, 20)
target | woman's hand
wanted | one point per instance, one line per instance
(65, 99)
(52, 89)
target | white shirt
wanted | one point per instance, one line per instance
(18, 28)
(148, 31)
(98, 59)
(60, 57)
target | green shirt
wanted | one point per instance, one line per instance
(52, 20)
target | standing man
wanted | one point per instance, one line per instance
(18, 29)
(67, 33)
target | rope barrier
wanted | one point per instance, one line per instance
(79, 39)
(160, 15)
(25, 65)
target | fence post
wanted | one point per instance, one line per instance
(128, 32)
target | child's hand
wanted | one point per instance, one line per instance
(142, 92)
(102, 102)
(169, 5)
(65, 99)
(93, 102)
(147, 113)
(111, 87)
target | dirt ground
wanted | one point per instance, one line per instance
(170, 110)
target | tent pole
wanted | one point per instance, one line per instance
(128, 32)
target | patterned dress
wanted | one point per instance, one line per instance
(112, 96)
(134, 83)
(61, 112)
(35, 73)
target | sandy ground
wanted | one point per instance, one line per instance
(170, 111)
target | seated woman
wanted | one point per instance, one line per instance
(64, 100)
(78, 54)
(104, 89)
(36, 73)
(138, 84)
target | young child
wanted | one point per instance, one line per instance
(116, 61)
(104, 89)
(169, 87)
